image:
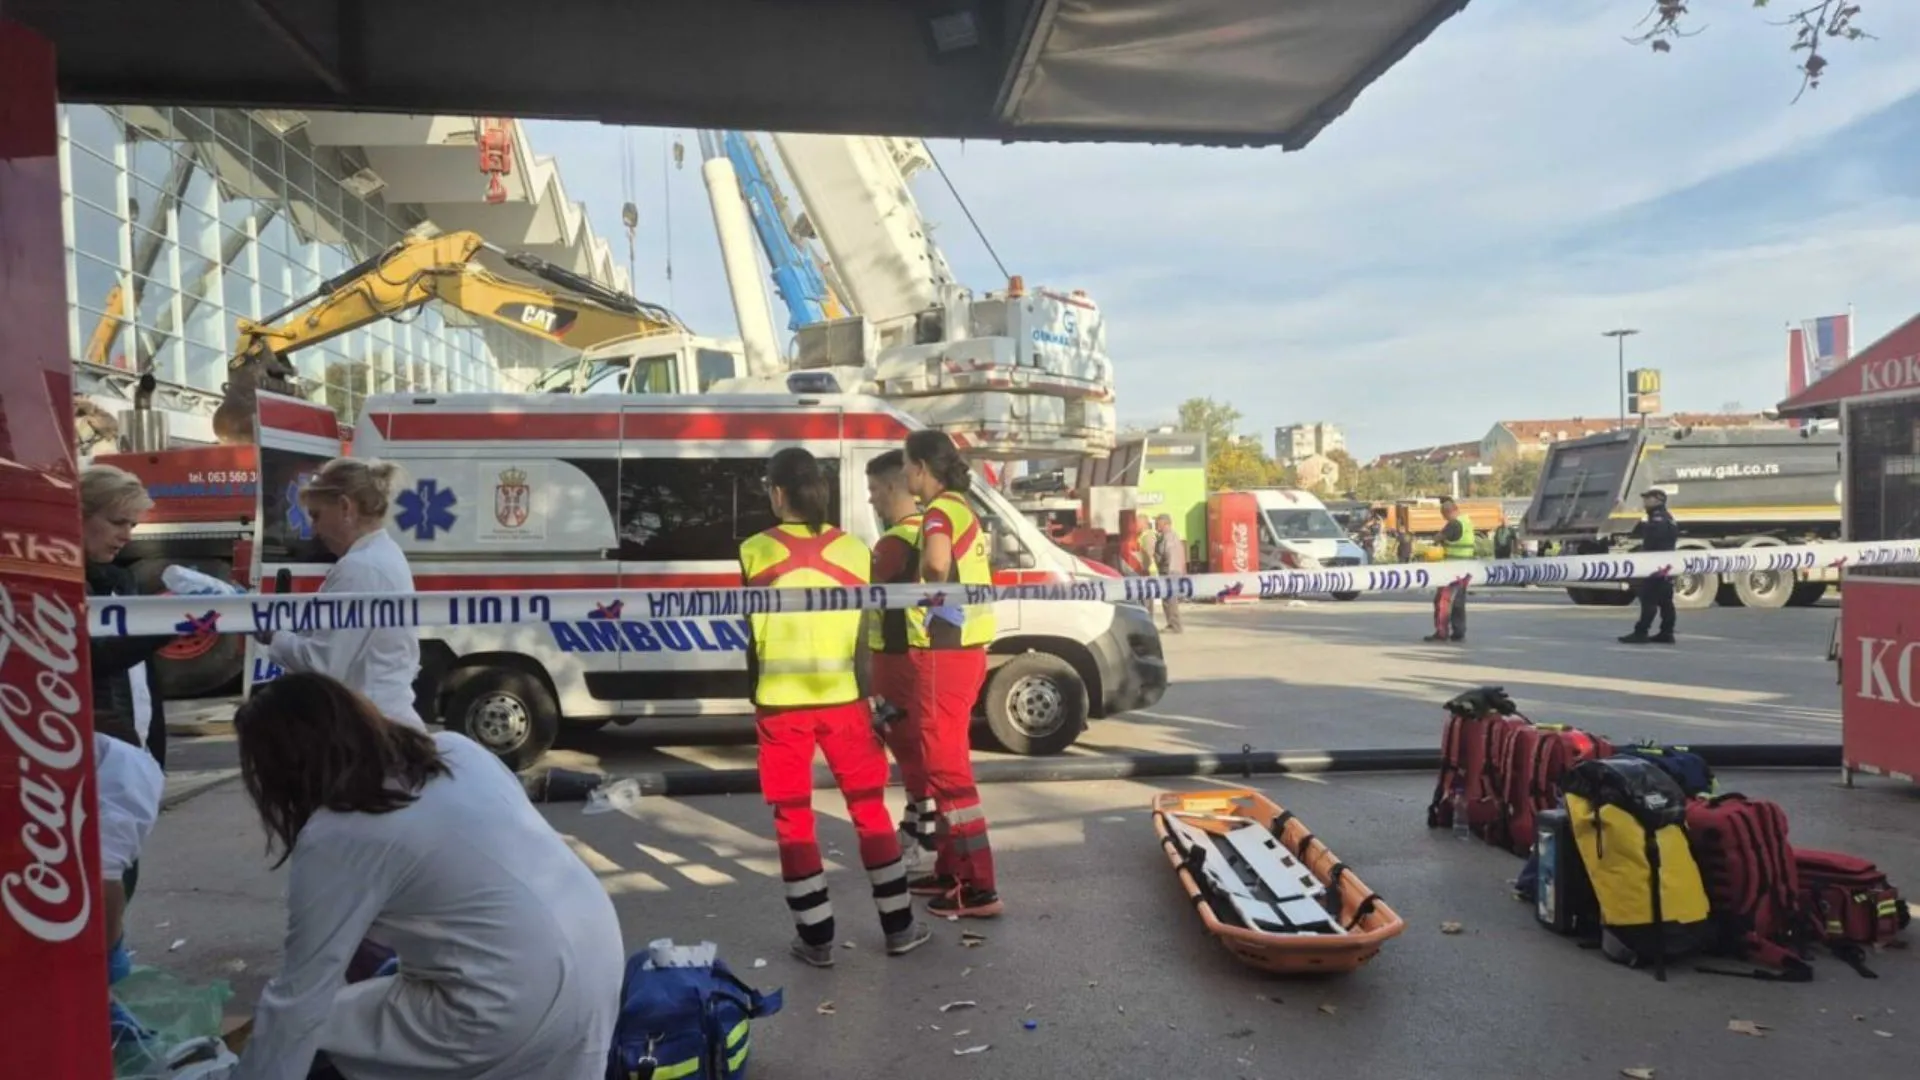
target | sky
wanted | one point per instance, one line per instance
(1445, 255)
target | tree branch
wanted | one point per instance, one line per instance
(1813, 23)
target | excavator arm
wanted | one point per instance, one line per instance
(577, 312)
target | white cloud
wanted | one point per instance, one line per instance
(1447, 253)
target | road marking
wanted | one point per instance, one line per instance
(1180, 718)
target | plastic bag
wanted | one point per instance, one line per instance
(186, 581)
(157, 1015)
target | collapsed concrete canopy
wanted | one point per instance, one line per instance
(1247, 72)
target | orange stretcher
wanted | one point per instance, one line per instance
(1267, 888)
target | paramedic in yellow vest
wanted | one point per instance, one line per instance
(947, 643)
(896, 560)
(807, 693)
(1450, 599)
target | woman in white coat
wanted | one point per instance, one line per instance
(346, 502)
(510, 954)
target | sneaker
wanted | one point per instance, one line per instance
(1661, 639)
(1436, 637)
(1635, 638)
(909, 939)
(966, 902)
(932, 884)
(820, 956)
(912, 855)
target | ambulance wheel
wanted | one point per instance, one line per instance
(510, 712)
(1346, 596)
(1036, 705)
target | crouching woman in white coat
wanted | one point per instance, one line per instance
(510, 953)
(346, 502)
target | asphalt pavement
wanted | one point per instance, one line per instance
(1099, 966)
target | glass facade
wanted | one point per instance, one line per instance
(180, 222)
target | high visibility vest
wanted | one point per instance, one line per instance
(805, 658)
(1463, 547)
(887, 630)
(930, 629)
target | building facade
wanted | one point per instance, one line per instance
(180, 222)
(1295, 443)
(1530, 438)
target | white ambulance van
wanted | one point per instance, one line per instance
(510, 493)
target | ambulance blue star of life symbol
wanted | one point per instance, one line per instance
(297, 518)
(425, 510)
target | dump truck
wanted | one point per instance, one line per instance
(1734, 487)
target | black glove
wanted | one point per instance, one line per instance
(884, 711)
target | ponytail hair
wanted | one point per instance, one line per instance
(797, 474)
(935, 450)
(367, 483)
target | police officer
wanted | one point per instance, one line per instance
(807, 693)
(1450, 600)
(1658, 532)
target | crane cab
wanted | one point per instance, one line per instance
(647, 364)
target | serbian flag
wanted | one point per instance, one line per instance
(1815, 348)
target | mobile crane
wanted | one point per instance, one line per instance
(205, 498)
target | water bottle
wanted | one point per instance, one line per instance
(1460, 830)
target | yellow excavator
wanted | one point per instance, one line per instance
(576, 312)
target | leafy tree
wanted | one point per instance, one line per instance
(1813, 21)
(1514, 476)
(1216, 420)
(1237, 463)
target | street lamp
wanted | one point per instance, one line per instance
(1620, 337)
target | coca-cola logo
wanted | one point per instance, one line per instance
(38, 548)
(1241, 538)
(50, 896)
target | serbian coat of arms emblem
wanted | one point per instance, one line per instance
(512, 499)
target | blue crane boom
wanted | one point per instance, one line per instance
(797, 274)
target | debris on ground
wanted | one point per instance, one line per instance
(1884, 1034)
(1239, 1033)
(758, 964)
(962, 1033)
(1642, 1072)
(1269, 1000)
(1329, 1009)
(847, 944)
(1450, 928)
(972, 939)
(177, 943)
(1030, 1025)
(825, 1008)
(981, 1049)
(235, 965)
(1748, 1027)
(952, 1005)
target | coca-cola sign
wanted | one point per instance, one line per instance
(45, 886)
(1242, 547)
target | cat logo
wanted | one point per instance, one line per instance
(551, 321)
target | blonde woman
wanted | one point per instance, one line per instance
(126, 697)
(347, 502)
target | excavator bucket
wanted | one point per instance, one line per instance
(255, 369)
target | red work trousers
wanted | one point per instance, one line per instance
(946, 685)
(844, 734)
(893, 680)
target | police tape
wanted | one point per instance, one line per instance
(308, 612)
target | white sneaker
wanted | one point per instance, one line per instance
(912, 855)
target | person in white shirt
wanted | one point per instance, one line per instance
(510, 955)
(346, 502)
(130, 784)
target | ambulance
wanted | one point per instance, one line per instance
(517, 493)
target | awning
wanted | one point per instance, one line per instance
(1890, 367)
(1224, 72)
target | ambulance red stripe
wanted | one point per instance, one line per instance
(665, 426)
(491, 581)
(299, 419)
